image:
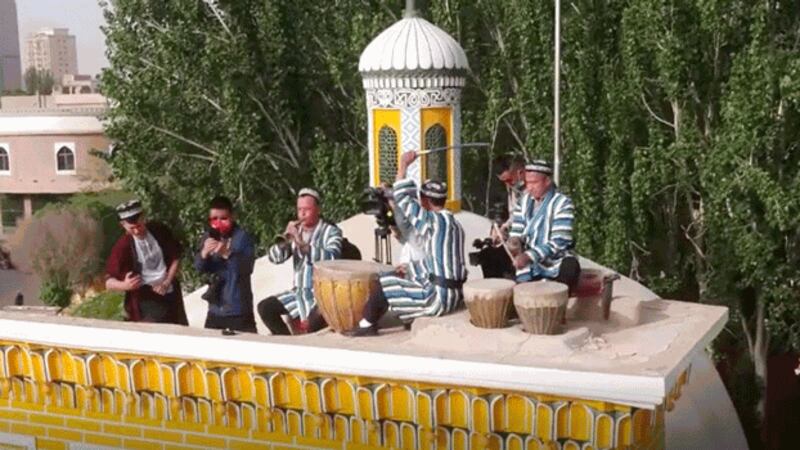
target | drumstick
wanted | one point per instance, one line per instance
(465, 145)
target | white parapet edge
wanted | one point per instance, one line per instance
(634, 390)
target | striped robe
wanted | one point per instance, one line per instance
(443, 240)
(326, 243)
(546, 233)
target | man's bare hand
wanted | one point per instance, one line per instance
(401, 270)
(224, 248)
(292, 229)
(522, 260)
(210, 245)
(405, 160)
(162, 287)
(131, 282)
(408, 158)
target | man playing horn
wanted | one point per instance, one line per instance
(306, 240)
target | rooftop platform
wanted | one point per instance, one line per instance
(634, 359)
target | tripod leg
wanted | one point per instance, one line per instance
(377, 255)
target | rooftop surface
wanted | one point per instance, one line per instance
(634, 358)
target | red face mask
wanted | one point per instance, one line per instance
(224, 226)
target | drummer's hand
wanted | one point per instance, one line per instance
(522, 260)
(407, 158)
(405, 161)
(514, 246)
(402, 270)
(497, 237)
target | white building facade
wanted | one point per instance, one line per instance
(52, 50)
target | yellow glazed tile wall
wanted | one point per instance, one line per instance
(64, 396)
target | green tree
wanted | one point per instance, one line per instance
(680, 126)
(38, 82)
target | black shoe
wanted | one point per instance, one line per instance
(371, 330)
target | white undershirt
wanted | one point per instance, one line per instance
(151, 258)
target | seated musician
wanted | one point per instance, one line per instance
(511, 172)
(431, 287)
(306, 240)
(543, 223)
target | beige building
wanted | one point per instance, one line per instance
(47, 153)
(79, 84)
(53, 50)
(10, 71)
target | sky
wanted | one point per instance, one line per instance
(82, 17)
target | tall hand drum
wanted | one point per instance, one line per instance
(541, 305)
(342, 288)
(488, 301)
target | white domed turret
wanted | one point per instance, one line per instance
(413, 44)
(413, 73)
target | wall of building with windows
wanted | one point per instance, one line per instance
(42, 158)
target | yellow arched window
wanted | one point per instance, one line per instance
(387, 149)
(386, 143)
(436, 163)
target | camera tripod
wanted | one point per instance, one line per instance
(383, 246)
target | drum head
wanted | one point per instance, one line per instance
(489, 285)
(348, 268)
(540, 294)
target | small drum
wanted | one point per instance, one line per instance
(595, 291)
(541, 305)
(590, 282)
(342, 288)
(489, 301)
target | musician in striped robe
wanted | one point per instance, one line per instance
(543, 222)
(432, 286)
(306, 240)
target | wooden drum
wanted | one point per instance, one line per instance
(541, 305)
(489, 301)
(342, 288)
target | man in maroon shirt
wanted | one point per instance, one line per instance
(144, 263)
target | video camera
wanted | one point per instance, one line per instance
(494, 260)
(375, 202)
(479, 244)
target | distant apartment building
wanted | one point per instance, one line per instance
(10, 67)
(52, 50)
(48, 153)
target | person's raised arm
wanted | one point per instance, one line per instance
(203, 261)
(405, 196)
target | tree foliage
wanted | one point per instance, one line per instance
(38, 82)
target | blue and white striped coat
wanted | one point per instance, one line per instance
(325, 243)
(443, 239)
(546, 233)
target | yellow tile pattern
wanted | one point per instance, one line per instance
(64, 395)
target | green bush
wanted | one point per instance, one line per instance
(107, 305)
(56, 292)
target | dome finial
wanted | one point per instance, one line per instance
(410, 11)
